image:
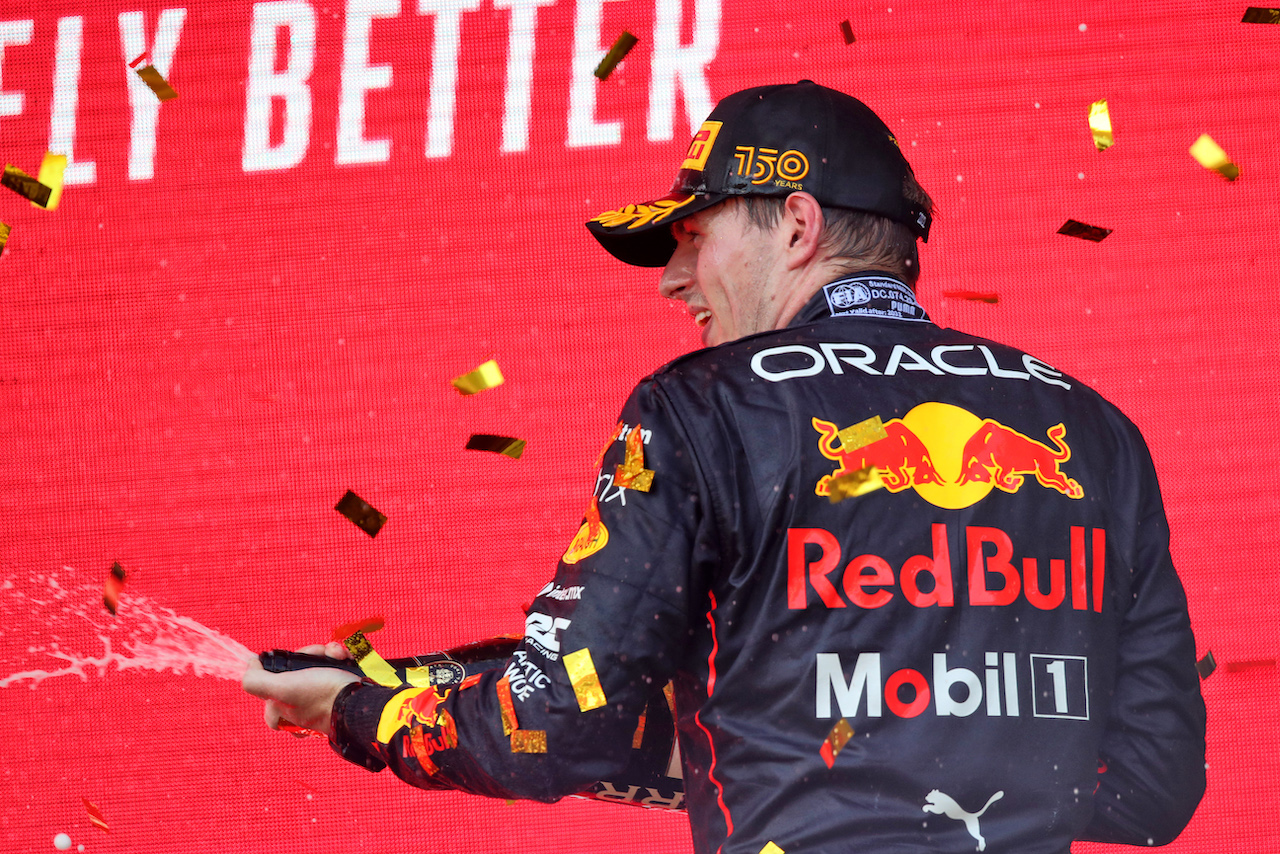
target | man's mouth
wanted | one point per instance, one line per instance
(702, 318)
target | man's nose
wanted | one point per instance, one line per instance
(678, 274)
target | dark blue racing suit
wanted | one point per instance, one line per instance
(989, 606)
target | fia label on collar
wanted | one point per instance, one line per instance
(873, 296)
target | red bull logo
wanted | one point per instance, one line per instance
(950, 457)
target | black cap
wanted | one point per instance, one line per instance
(772, 141)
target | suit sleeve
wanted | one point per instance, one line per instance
(601, 639)
(1151, 763)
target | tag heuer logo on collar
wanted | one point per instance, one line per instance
(847, 295)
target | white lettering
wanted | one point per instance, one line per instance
(358, 77)
(1043, 372)
(943, 679)
(866, 356)
(757, 363)
(265, 84)
(996, 370)
(936, 355)
(866, 677)
(515, 116)
(66, 100)
(674, 64)
(584, 130)
(917, 363)
(146, 106)
(1011, 684)
(444, 70)
(544, 630)
(15, 33)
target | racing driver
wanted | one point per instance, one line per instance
(912, 588)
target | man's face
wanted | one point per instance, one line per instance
(721, 271)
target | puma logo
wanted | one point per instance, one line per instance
(941, 803)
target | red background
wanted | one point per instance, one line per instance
(194, 368)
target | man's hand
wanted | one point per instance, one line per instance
(301, 697)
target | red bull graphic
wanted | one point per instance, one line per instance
(950, 457)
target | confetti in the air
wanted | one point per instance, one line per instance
(152, 78)
(300, 731)
(362, 515)
(4, 235)
(112, 587)
(346, 630)
(1206, 665)
(51, 169)
(505, 445)
(529, 741)
(1100, 124)
(862, 434)
(1075, 228)
(620, 49)
(138, 59)
(973, 296)
(771, 848)
(1258, 15)
(632, 474)
(585, 681)
(95, 816)
(846, 29)
(853, 484)
(486, 376)
(1211, 156)
(1251, 664)
(836, 740)
(26, 186)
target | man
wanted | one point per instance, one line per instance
(913, 588)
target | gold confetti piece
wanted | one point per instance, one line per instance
(771, 848)
(975, 296)
(26, 186)
(632, 474)
(1211, 156)
(529, 741)
(637, 738)
(1258, 15)
(1075, 228)
(157, 83)
(4, 235)
(486, 376)
(361, 514)
(853, 484)
(836, 740)
(620, 49)
(507, 705)
(1206, 665)
(863, 433)
(504, 445)
(95, 816)
(51, 169)
(585, 681)
(346, 630)
(1100, 124)
(373, 665)
(112, 588)
(846, 30)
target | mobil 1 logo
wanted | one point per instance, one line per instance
(1060, 686)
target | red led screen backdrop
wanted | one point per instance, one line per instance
(251, 299)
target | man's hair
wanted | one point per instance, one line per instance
(856, 239)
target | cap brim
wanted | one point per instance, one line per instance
(640, 235)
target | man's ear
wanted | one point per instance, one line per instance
(800, 229)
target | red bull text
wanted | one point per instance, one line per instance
(869, 581)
